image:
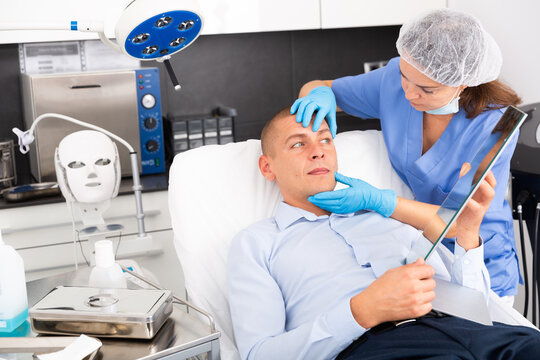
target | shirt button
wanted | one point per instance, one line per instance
(466, 261)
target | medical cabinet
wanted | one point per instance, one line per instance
(124, 102)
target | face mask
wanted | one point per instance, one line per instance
(88, 167)
(451, 108)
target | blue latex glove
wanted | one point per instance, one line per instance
(322, 100)
(358, 196)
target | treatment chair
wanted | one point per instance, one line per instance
(215, 191)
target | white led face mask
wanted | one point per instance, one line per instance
(87, 167)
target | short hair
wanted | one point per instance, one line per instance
(267, 134)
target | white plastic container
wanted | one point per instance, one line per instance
(107, 273)
(13, 299)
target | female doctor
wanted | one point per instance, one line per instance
(437, 103)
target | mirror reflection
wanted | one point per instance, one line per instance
(472, 173)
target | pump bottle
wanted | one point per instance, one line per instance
(13, 299)
(107, 273)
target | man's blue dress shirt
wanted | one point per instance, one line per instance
(291, 278)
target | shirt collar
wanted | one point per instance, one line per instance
(286, 215)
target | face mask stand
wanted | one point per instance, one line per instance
(27, 137)
(93, 227)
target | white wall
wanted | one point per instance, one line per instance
(515, 25)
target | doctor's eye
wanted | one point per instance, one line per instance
(326, 141)
(297, 145)
(428, 91)
(76, 164)
(102, 162)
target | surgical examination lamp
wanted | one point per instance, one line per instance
(146, 30)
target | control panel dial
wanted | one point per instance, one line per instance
(150, 123)
(148, 101)
(152, 145)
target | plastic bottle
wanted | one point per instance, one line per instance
(13, 300)
(107, 273)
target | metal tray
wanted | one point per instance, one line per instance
(121, 313)
(30, 191)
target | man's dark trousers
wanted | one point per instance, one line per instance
(445, 337)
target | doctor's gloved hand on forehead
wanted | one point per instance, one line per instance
(320, 100)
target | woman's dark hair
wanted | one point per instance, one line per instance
(488, 96)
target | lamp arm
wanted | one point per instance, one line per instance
(137, 190)
(85, 26)
(104, 39)
(35, 26)
(31, 131)
(27, 137)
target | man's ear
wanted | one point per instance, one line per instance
(264, 167)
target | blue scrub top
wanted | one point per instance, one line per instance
(378, 94)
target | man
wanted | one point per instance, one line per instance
(305, 284)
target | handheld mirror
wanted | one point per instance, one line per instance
(500, 136)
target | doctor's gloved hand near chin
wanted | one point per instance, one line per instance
(358, 196)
